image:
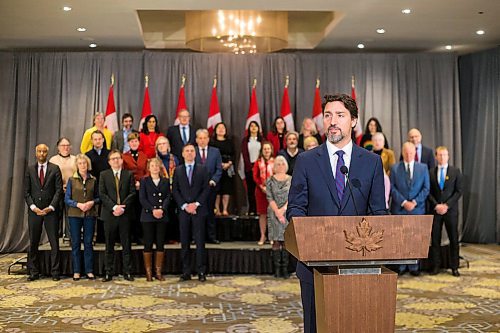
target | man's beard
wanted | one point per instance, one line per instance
(335, 138)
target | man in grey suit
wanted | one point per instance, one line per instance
(120, 141)
(117, 193)
(42, 192)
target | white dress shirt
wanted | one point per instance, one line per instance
(332, 150)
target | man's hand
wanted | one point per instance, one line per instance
(409, 205)
(47, 210)
(39, 212)
(212, 183)
(441, 209)
(191, 208)
(119, 210)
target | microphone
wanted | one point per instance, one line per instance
(357, 184)
(345, 172)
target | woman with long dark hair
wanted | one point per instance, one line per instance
(277, 135)
(372, 126)
(250, 149)
(148, 136)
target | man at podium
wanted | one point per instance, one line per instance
(320, 183)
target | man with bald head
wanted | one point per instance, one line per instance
(423, 154)
(42, 192)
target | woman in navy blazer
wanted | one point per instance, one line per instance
(154, 195)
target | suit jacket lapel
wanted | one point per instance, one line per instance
(326, 169)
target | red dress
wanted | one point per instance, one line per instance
(261, 172)
(139, 167)
(275, 140)
(147, 143)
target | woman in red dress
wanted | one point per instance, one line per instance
(262, 170)
(277, 135)
(149, 133)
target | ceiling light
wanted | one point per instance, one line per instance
(480, 32)
(381, 31)
(406, 11)
(81, 29)
(361, 46)
(448, 47)
(93, 45)
(66, 8)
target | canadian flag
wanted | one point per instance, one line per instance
(111, 119)
(181, 102)
(214, 116)
(317, 112)
(286, 112)
(253, 115)
(358, 131)
(146, 105)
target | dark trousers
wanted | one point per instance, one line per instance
(135, 221)
(450, 221)
(172, 232)
(88, 224)
(309, 306)
(252, 205)
(192, 225)
(112, 227)
(51, 223)
(211, 226)
(153, 232)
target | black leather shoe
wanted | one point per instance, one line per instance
(202, 277)
(55, 278)
(107, 278)
(128, 277)
(33, 277)
(455, 272)
(185, 277)
(415, 273)
(434, 271)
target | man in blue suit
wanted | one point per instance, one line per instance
(319, 187)
(211, 159)
(409, 190)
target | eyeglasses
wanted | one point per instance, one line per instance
(115, 158)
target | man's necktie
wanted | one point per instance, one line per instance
(184, 135)
(339, 176)
(416, 154)
(190, 173)
(42, 175)
(117, 186)
(203, 155)
(441, 178)
(408, 172)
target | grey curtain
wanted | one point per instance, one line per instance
(480, 101)
(44, 95)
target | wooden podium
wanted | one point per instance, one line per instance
(354, 292)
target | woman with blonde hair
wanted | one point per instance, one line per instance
(308, 129)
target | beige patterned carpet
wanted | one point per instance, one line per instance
(239, 304)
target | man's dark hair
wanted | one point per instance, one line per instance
(114, 151)
(97, 132)
(349, 103)
(188, 144)
(127, 115)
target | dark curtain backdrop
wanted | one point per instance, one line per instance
(44, 95)
(480, 101)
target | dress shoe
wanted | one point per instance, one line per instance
(33, 277)
(415, 273)
(76, 277)
(434, 271)
(90, 276)
(455, 272)
(55, 278)
(185, 277)
(128, 277)
(107, 278)
(202, 277)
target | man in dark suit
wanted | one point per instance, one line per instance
(409, 190)
(120, 138)
(190, 191)
(446, 189)
(211, 159)
(423, 154)
(291, 151)
(43, 189)
(117, 193)
(99, 158)
(180, 135)
(318, 184)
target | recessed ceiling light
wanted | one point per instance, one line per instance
(361, 46)
(81, 29)
(381, 31)
(66, 8)
(406, 11)
(448, 47)
(480, 32)
(93, 45)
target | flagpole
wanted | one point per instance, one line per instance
(317, 82)
(183, 80)
(254, 83)
(352, 80)
(215, 81)
(112, 79)
(287, 81)
(146, 80)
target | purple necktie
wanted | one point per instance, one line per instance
(339, 176)
(190, 173)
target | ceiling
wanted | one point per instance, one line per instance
(335, 25)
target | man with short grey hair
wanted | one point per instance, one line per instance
(291, 151)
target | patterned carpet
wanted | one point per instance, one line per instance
(240, 304)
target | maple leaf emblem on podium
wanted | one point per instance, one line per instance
(363, 239)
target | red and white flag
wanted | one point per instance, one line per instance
(111, 119)
(146, 105)
(214, 116)
(317, 112)
(181, 102)
(286, 111)
(358, 130)
(253, 115)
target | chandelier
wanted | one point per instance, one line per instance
(236, 31)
